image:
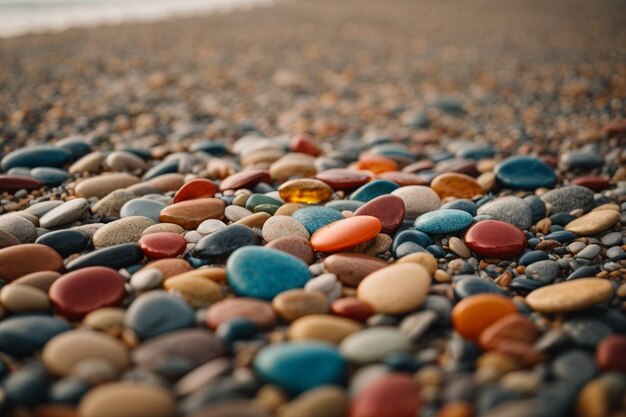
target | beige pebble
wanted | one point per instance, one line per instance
(289, 208)
(126, 230)
(521, 381)
(111, 204)
(323, 327)
(124, 161)
(426, 259)
(92, 163)
(270, 397)
(256, 220)
(380, 244)
(105, 319)
(42, 279)
(23, 298)
(594, 222)
(395, 289)
(127, 399)
(328, 401)
(102, 185)
(607, 206)
(293, 304)
(570, 295)
(280, 226)
(163, 227)
(418, 199)
(457, 246)
(293, 165)
(195, 290)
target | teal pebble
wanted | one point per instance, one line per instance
(22, 336)
(443, 221)
(374, 189)
(36, 156)
(52, 177)
(261, 199)
(524, 173)
(313, 218)
(261, 272)
(299, 367)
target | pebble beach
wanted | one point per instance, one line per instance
(317, 208)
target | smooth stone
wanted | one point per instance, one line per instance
(510, 209)
(126, 230)
(569, 198)
(39, 209)
(197, 291)
(7, 239)
(610, 353)
(418, 199)
(170, 267)
(392, 395)
(326, 284)
(410, 235)
(103, 185)
(17, 261)
(225, 241)
(127, 399)
(305, 190)
(425, 259)
(166, 182)
(65, 242)
(23, 298)
(51, 177)
(25, 387)
(259, 312)
(264, 273)
(322, 327)
(63, 352)
(543, 271)
(22, 336)
(461, 204)
(191, 213)
(580, 160)
(314, 218)
(162, 245)
(78, 293)
(616, 253)
(245, 179)
(296, 246)
(342, 205)
(495, 239)
(389, 209)
(525, 173)
(124, 161)
(589, 252)
(374, 189)
(443, 221)
(142, 207)
(292, 166)
(343, 179)
(570, 296)
(475, 313)
(299, 367)
(561, 236)
(163, 228)
(90, 163)
(294, 304)
(42, 279)
(146, 279)
(162, 168)
(172, 313)
(594, 222)
(452, 184)
(595, 183)
(395, 289)
(283, 226)
(532, 257)
(612, 239)
(328, 401)
(351, 268)
(417, 324)
(537, 206)
(116, 257)
(345, 234)
(457, 246)
(13, 183)
(197, 188)
(586, 332)
(236, 213)
(111, 204)
(373, 344)
(105, 319)
(18, 227)
(202, 376)
(468, 285)
(36, 156)
(352, 308)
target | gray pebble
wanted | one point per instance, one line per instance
(67, 212)
(543, 271)
(415, 325)
(612, 239)
(42, 208)
(589, 252)
(568, 198)
(586, 332)
(20, 228)
(327, 284)
(510, 209)
(576, 247)
(616, 253)
(146, 279)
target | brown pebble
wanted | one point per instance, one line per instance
(260, 312)
(322, 327)
(102, 185)
(127, 399)
(351, 268)
(293, 304)
(296, 246)
(170, 267)
(189, 214)
(17, 261)
(328, 401)
(195, 290)
(23, 298)
(569, 296)
(42, 279)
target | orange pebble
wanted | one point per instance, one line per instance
(452, 184)
(346, 233)
(511, 327)
(456, 409)
(170, 267)
(474, 314)
(376, 163)
(198, 188)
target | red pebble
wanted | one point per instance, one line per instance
(245, 179)
(495, 239)
(198, 188)
(595, 183)
(78, 293)
(162, 245)
(352, 308)
(611, 353)
(389, 209)
(394, 395)
(402, 178)
(304, 144)
(344, 179)
(14, 183)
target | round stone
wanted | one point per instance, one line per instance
(293, 304)
(189, 214)
(18, 227)
(172, 312)
(282, 226)
(78, 293)
(474, 314)
(195, 290)
(36, 156)
(305, 190)
(322, 327)
(102, 185)
(22, 298)
(126, 230)
(225, 241)
(525, 173)
(569, 296)
(127, 399)
(111, 204)
(245, 179)
(389, 209)
(418, 199)
(393, 395)
(314, 218)
(395, 289)
(17, 261)
(198, 188)
(345, 234)
(343, 179)
(351, 268)
(296, 246)
(373, 344)
(569, 198)
(22, 336)
(510, 209)
(259, 312)
(260, 272)
(443, 221)
(495, 239)
(162, 245)
(594, 222)
(452, 184)
(142, 207)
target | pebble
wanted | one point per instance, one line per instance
(395, 289)
(594, 222)
(162, 245)
(610, 353)
(322, 327)
(259, 312)
(392, 395)
(296, 246)
(106, 319)
(351, 268)
(111, 204)
(197, 188)
(283, 226)
(373, 344)
(173, 314)
(126, 230)
(195, 290)
(418, 199)
(14, 183)
(225, 241)
(245, 179)
(21, 336)
(374, 189)
(512, 210)
(23, 298)
(570, 296)
(17, 261)
(328, 401)
(452, 184)
(142, 207)
(457, 246)
(128, 399)
(568, 198)
(589, 252)
(389, 209)
(18, 227)
(42, 279)
(103, 185)
(306, 190)
(116, 256)
(544, 272)
(616, 253)
(443, 221)
(314, 218)
(345, 234)
(36, 156)
(294, 304)
(191, 213)
(352, 308)
(473, 314)
(7, 239)
(525, 173)
(50, 177)
(326, 284)
(612, 239)
(65, 242)
(495, 239)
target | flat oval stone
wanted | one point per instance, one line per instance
(36, 156)
(229, 408)
(418, 199)
(197, 291)
(283, 226)
(198, 188)
(7, 239)
(142, 207)
(296, 246)
(329, 401)
(402, 178)
(14, 183)
(610, 353)
(322, 327)
(510, 328)
(495, 239)
(20, 228)
(314, 218)
(345, 234)
(473, 314)
(66, 350)
(20, 260)
(111, 204)
(42, 279)
(170, 267)
(264, 273)
(569, 198)
(65, 242)
(351, 268)
(352, 308)
(189, 214)
(293, 304)
(525, 173)
(395, 289)
(163, 227)
(51, 177)
(22, 336)
(389, 209)
(245, 179)
(102, 185)
(452, 184)
(393, 395)
(105, 319)
(67, 212)
(509, 209)
(225, 241)
(299, 367)
(78, 293)
(126, 230)
(127, 399)
(124, 161)
(373, 344)
(162, 245)
(343, 179)
(156, 312)
(374, 189)
(116, 257)
(594, 222)
(90, 163)
(443, 221)
(259, 312)
(569, 296)
(305, 190)
(23, 298)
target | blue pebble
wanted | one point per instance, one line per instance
(27, 386)
(264, 273)
(75, 145)
(556, 228)
(408, 248)
(476, 152)
(142, 207)
(437, 251)
(562, 219)
(166, 167)
(225, 241)
(197, 262)
(537, 206)
(462, 204)
(116, 257)
(374, 189)
(533, 242)
(299, 367)
(467, 285)
(532, 257)
(36, 156)
(524, 285)
(263, 188)
(65, 241)
(313, 218)
(402, 362)
(210, 147)
(51, 177)
(142, 153)
(156, 313)
(341, 205)
(410, 235)
(484, 200)
(21, 336)
(524, 173)
(583, 272)
(443, 221)
(258, 199)
(68, 390)
(239, 328)
(562, 236)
